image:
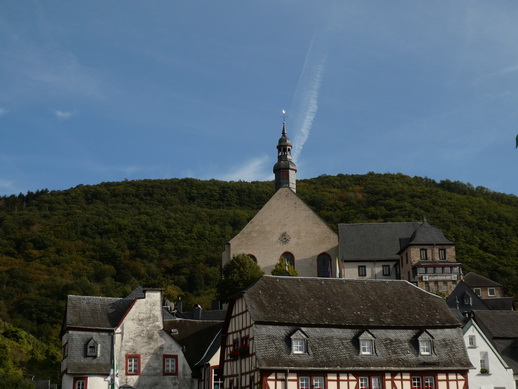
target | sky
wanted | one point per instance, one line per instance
(105, 90)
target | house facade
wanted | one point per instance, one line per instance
(416, 252)
(295, 333)
(490, 369)
(120, 342)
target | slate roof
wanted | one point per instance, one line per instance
(457, 304)
(501, 327)
(351, 303)
(79, 363)
(95, 312)
(200, 338)
(385, 240)
(338, 349)
(476, 280)
(373, 240)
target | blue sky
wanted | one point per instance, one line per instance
(104, 90)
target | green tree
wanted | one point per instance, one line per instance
(238, 274)
(282, 267)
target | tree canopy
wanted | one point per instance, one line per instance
(237, 275)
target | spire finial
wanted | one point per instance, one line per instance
(284, 116)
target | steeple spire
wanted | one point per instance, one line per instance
(285, 169)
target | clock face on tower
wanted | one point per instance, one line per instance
(284, 237)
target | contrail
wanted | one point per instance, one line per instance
(305, 99)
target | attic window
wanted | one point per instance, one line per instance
(92, 348)
(299, 343)
(491, 292)
(467, 299)
(425, 343)
(366, 343)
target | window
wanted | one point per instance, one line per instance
(472, 341)
(445, 287)
(467, 299)
(80, 382)
(252, 257)
(417, 382)
(318, 383)
(362, 271)
(376, 383)
(170, 364)
(484, 363)
(324, 265)
(447, 270)
(289, 257)
(217, 381)
(132, 364)
(442, 254)
(425, 347)
(429, 382)
(364, 383)
(304, 383)
(423, 254)
(298, 346)
(491, 292)
(386, 270)
(92, 348)
(366, 347)
(438, 270)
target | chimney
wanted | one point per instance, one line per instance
(179, 305)
(196, 312)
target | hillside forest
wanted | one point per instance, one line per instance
(107, 239)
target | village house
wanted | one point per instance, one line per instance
(298, 333)
(491, 370)
(136, 342)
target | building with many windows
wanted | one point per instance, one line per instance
(298, 333)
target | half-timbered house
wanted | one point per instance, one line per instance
(298, 333)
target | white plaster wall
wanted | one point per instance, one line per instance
(94, 381)
(374, 270)
(498, 375)
(286, 213)
(141, 333)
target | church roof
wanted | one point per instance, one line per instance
(345, 303)
(427, 234)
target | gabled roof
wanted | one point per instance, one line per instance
(200, 338)
(456, 300)
(346, 303)
(476, 280)
(501, 327)
(95, 312)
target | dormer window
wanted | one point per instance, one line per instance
(366, 343)
(92, 348)
(425, 343)
(299, 343)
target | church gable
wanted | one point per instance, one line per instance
(285, 226)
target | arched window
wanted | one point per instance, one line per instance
(252, 257)
(289, 258)
(324, 265)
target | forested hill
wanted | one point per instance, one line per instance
(108, 238)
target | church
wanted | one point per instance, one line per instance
(287, 228)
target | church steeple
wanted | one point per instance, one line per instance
(285, 169)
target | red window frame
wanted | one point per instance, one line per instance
(76, 379)
(173, 356)
(128, 356)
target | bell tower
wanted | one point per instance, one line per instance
(285, 169)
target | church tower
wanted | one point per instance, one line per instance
(285, 169)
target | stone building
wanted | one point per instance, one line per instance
(286, 227)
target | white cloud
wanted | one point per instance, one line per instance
(63, 115)
(252, 170)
